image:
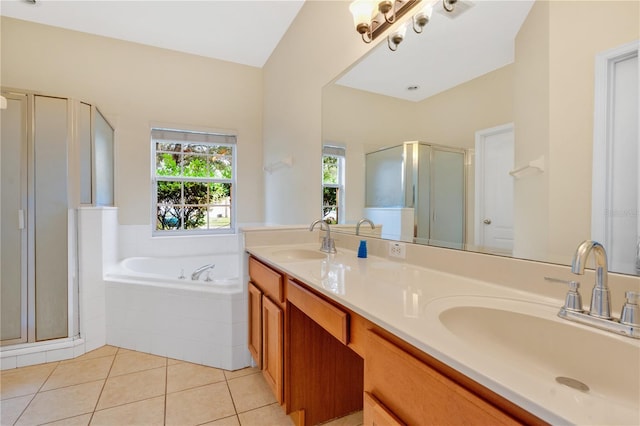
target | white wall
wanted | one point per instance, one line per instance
(135, 85)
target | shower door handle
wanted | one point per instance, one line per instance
(21, 219)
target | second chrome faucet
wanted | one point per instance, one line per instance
(328, 244)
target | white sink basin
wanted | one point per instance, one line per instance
(296, 254)
(544, 348)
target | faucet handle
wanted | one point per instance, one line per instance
(631, 311)
(573, 300)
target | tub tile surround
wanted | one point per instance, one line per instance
(439, 273)
(210, 330)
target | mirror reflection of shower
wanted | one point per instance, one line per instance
(417, 192)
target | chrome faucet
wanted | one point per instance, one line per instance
(361, 221)
(599, 315)
(600, 295)
(196, 274)
(328, 245)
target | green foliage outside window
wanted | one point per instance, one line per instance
(330, 176)
(192, 199)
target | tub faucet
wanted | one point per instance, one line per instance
(361, 221)
(328, 245)
(600, 295)
(196, 274)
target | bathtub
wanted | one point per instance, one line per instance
(151, 308)
(176, 272)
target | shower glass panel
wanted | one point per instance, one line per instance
(103, 160)
(51, 217)
(447, 195)
(86, 154)
(384, 177)
(13, 312)
(423, 201)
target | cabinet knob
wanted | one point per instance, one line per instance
(487, 221)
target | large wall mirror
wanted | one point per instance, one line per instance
(541, 97)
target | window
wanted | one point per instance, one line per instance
(333, 184)
(194, 177)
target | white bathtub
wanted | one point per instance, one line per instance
(151, 309)
(176, 272)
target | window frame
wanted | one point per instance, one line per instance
(214, 133)
(339, 152)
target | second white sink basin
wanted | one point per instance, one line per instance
(531, 338)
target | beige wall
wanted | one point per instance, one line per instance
(134, 86)
(320, 44)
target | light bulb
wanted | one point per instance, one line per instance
(362, 11)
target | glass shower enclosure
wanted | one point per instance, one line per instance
(51, 148)
(417, 191)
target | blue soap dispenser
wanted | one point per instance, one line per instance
(362, 250)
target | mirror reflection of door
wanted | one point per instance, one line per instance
(616, 155)
(494, 189)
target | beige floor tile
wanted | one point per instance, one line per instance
(250, 392)
(82, 420)
(147, 412)
(354, 419)
(132, 387)
(186, 375)
(199, 405)
(171, 361)
(131, 362)
(239, 373)
(25, 380)
(62, 403)
(96, 353)
(78, 372)
(271, 415)
(227, 421)
(10, 409)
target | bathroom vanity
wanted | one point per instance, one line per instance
(323, 361)
(335, 334)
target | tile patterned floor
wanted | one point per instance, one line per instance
(117, 387)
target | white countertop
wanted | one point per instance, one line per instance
(406, 299)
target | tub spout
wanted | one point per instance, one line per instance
(196, 274)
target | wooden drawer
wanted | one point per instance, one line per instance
(269, 281)
(329, 317)
(418, 394)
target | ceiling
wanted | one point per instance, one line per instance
(477, 38)
(454, 48)
(240, 31)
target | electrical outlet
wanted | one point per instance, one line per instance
(397, 250)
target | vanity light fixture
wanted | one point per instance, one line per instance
(371, 17)
(395, 38)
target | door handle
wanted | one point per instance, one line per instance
(487, 221)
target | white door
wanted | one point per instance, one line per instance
(493, 216)
(616, 155)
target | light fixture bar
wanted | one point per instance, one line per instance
(379, 24)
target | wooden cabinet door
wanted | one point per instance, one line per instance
(272, 344)
(376, 414)
(255, 324)
(418, 394)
